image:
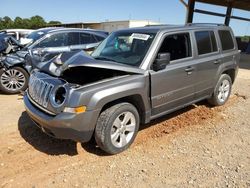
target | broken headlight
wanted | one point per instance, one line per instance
(59, 96)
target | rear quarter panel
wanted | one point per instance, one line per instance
(229, 59)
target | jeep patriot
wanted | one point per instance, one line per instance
(135, 75)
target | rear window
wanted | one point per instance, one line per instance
(206, 42)
(226, 40)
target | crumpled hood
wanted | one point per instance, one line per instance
(15, 58)
(69, 60)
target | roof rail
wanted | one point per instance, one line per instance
(159, 25)
(202, 24)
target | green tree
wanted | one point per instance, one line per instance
(18, 22)
(54, 23)
(7, 22)
(245, 39)
(26, 23)
(34, 22)
(1, 23)
(37, 22)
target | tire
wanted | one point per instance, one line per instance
(111, 124)
(222, 91)
(14, 80)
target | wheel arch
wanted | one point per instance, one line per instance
(136, 100)
(230, 72)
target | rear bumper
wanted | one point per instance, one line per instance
(77, 127)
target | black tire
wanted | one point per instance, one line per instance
(216, 99)
(22, 81)
(106, 125)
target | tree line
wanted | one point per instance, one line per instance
(34, 22)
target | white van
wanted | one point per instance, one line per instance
(17, 33)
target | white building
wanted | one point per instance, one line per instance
(116, 25)
(109, 25)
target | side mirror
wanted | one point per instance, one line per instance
(161, 61)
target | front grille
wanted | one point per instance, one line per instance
(39, 90)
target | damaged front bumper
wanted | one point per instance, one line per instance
(77, 127)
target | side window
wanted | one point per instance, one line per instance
(73, 38)
(12, 34)
(22, 35)
(55, 40)
(206, 42)
(226, 40)
(178, 45)
(99, 38)
(86, 38)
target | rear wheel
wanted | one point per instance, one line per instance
(222, 91)
(13, 80)
(117, 128)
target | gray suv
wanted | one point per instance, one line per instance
(134, 76)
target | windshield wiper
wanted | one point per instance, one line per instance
(103, 58)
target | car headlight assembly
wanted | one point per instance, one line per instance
(58, 96)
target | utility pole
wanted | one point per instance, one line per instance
(228, 14)
(190, 11)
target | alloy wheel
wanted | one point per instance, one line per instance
(13, 80)
(123, 129)
(223, 91)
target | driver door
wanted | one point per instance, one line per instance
(173, 86)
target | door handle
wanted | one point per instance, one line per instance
(189, 69)
(217, 61)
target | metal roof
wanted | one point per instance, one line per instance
(240, 4)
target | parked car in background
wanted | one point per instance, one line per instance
(8, 44)
(140, 74)
(18, 34)
(35, 35)
(15, 69)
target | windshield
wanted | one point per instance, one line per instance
(124, 47)
(35, 35)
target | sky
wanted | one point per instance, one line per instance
(164, 11)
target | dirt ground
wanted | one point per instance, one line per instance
(198, 146)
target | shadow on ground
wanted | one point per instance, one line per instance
(91, 147)
(245, 61)
(51, 146)
(42, 142)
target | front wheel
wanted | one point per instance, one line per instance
(222, 91)
(13, 80)
(117, 128)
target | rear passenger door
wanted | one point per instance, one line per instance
(230, 54)
(73, 38)
(208, 61)
(89, 41)
(173, 86)
(86, 38)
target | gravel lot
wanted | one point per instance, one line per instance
(198, 146)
